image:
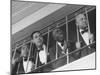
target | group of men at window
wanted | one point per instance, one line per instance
(41, 55)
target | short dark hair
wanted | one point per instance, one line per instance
(34, 33)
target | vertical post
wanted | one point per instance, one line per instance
(28, 56)
(47, 45)
(67, 39)
(77, 33)
(18, 68)
(56, 51)
(36, 60)
(87, 20)
(56, 45)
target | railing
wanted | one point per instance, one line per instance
(50, 28)
(64, 57)
(60, 22)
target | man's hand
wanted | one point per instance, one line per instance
(33, 67)
(78, 45)
(91, 37)
(13, 61)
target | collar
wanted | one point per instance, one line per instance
(42, 49)
(59, 43)
(81, 30)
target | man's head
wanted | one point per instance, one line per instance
(58, 35)
(81, 21)
(24, 51)
(37, 38)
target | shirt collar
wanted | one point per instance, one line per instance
(59, 43)
(81, 30)
(43, 47)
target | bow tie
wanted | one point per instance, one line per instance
(25, 58)
(85, 30)
(41, 49)
(62, 44)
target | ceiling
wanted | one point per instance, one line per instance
(22, 10)
(19, 9)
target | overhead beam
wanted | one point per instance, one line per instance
(45, 11)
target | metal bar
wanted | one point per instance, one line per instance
(18, 68)
(36, 60)
(67, 40)
(47, 45)
(29, 56)
(56, 45)
(77, 33)
(87, 20)
(56, 51)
